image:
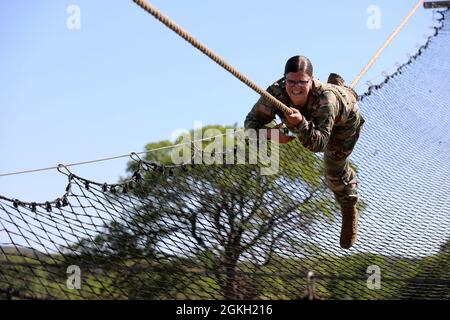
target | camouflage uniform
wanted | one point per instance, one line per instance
(331, 124)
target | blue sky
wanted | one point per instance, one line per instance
(123, 79)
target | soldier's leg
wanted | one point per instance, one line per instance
(341, 178)
(339, 175)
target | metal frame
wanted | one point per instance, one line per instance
(436, 4)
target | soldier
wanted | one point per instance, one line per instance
(325, 118)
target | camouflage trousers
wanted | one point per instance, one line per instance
(339, 175)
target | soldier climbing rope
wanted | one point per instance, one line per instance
(226, 232)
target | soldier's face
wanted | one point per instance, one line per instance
(298, 85)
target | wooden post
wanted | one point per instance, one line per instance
(436, 4)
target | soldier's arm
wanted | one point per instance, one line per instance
(256, 119)
(261, 114)
(315, 134)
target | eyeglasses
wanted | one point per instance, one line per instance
(301, 83)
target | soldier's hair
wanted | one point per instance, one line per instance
(299, 63)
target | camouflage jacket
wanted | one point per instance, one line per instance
(330, 109)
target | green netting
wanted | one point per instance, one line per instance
(226, 231)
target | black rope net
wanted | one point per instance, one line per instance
(227, 231)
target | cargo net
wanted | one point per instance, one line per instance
(227, 231)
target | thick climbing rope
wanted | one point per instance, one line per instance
(186, 36)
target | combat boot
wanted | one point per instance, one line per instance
(349, 229)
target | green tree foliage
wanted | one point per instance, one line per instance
(219, 231)
(231, 214)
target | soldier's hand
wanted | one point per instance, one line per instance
(295, 118)
(275, 134)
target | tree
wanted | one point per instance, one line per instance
(214, 226)
(231, 214)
